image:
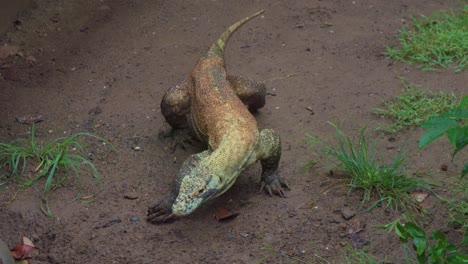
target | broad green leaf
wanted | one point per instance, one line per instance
(438, 235)
(464, 102)
(422, 259)
(420, 245)
(457, 259)
(464, 242)
(439, 123)
(464, 172)
(451, 248)
(462, 140)
(458, 113)
(401, 232)
(436, 127)
(454, 134)
(414, 230)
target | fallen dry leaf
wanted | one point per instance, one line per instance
(355, 227)
(419, 196)
(21, 251)
(357, 241)
(223, 214)
(28, 242)
(29, 119)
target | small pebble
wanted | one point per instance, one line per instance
(131, 195)
(444, 167)
(136, 148)
(134, 218)
(91, 156)
(347, 213)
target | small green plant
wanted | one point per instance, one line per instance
(438, 40)
(447, 124)
(458, 212)
(434, 249)
(358, 256)
(387, 182)
(59, 155)
(414, 106)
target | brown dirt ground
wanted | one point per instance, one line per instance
(103, 66)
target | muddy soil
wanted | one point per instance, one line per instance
(103, 66)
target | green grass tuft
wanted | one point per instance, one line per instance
(438, 40)
(384, 184)
(414, 106)
(54, 160)
(360, 256)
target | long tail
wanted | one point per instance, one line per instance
(218, 47)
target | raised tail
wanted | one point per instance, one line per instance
(218, 47)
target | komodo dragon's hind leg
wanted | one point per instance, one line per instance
(251, 93)
(175, 104)
(269, 154)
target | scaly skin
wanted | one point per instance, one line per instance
(219, 117)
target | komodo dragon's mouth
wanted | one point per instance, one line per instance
(186, 205)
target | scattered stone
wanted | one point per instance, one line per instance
(95, 110)
(108, 224)
(444, 167)
(354, 227)
(134, 218)
(131, 196)
(292, 213)
(91, 156)
(347, 213)
(7, 51)
(310, 110)
(357, 241)
(136, 148)
(419, 196)
(244, 234)
(11, 73)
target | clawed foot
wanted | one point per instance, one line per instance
(180, 137)
(274, 184)
(160, 213)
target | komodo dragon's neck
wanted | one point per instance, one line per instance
(231, 154)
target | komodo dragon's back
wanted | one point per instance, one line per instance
(214, 103)
(217, 104)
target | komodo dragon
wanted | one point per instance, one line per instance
(214, 103)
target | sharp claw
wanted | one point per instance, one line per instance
(167, 218)
(262, 186)
(161, 218)
(269, 190)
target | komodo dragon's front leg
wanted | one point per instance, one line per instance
(175, 104)
(268, 151)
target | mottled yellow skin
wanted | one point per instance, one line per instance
(220, 119)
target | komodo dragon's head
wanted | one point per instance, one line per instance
(195, 190)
